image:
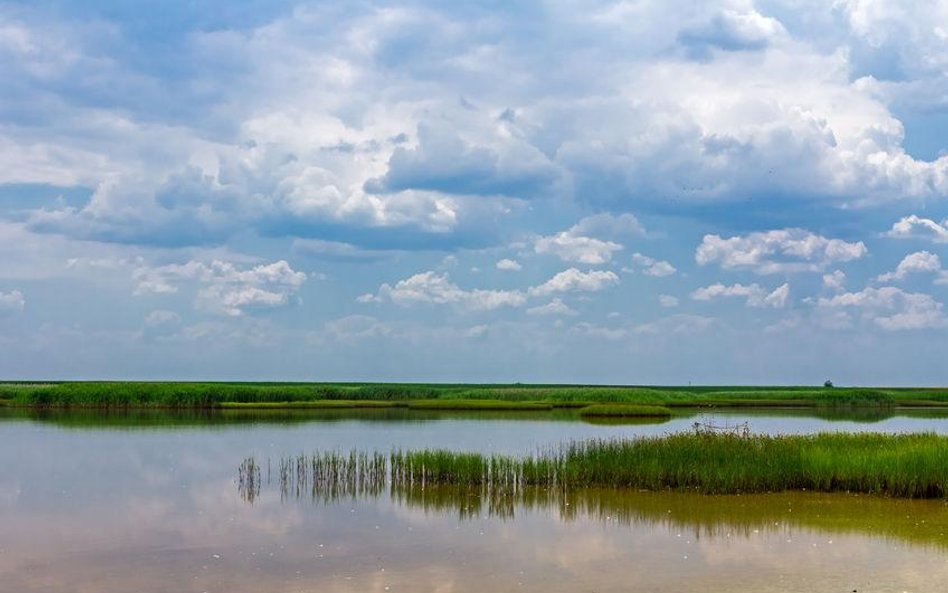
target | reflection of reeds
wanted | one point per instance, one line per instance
(467, 503)
(248, 480)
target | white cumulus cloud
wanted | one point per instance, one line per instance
(224, 287)
(653, 267)
(554, 307)
(754, 294)
(509, 265)
(835, 281)
(576, 248)
(913, 263)
(916, 227)
(437, 288)
(889, 308)
(574, 280)
(593, 240)
(777, 251)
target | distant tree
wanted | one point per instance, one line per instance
(827, 383)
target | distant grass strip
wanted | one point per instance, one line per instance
(455, 396)
(624, 411)
(905, 466)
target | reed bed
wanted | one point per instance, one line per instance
(904, 466)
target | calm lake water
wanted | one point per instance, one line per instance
(150, 502)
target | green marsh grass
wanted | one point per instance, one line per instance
(904, 466)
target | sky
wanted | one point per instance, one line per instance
(619, 192)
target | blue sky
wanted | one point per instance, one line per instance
(601, 192)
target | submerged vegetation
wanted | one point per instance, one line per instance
(450, 396)
(907, 466)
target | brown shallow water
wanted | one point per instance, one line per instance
(104, 510)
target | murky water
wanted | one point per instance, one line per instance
(93, 503)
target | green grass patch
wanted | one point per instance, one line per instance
(625, 411)
(910, 466)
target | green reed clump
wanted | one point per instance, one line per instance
(625, 411)
(904, 465)
(440, 467)
(715, 463)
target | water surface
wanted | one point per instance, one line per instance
(109, 503)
